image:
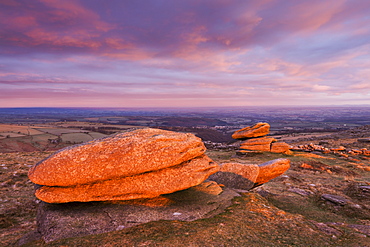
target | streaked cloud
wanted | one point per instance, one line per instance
(184, 53)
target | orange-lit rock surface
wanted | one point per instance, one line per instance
(259, 129)
(262, 148)
(145, 185)
(280, 147)
(138, 164)
(248, 176)
(117, 156)
(249, 171)
(258, 141)
(271, 169)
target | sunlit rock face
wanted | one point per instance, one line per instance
(257, 130)
(258, 144)
(248, 176)
(271, 169)
(142, 163)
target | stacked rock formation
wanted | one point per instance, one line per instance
(143, 163)
(136, 171)
(255, 140)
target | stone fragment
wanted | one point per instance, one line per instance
(117, 156)
(271, 169)
(340, 148)
(365, 229)
(339, 200)
(259, 129)
(327, 229)
(300, 191)
(280, 147)
(363, 140)
(145, 185)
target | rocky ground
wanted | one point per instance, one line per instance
(322, 200)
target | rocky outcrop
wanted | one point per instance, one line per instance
(143, 163)
(341, 151)
(256, 140)
(137, 177)
(248, 176)
(259, 129)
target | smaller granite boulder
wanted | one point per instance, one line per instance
(257, 130)
(236, 175)
(248, 176)
(271, 169)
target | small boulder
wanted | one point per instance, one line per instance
(236, 175)
(339, 200)
(257, 130)
(271, 169)
(248, 176)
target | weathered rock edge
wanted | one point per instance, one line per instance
(259, 129)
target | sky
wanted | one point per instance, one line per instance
(184, 53)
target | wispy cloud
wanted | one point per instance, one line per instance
(188, 52)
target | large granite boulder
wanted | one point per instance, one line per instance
(143, 163)
(145, 185)
(257, 130)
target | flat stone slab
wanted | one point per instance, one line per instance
(58, 221)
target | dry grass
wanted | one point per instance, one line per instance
(287, 211)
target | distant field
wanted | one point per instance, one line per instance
(58, 131)
(9, 134)
(80, 137)
(18, 138)
(19, 129)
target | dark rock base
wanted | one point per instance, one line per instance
(58, 221)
